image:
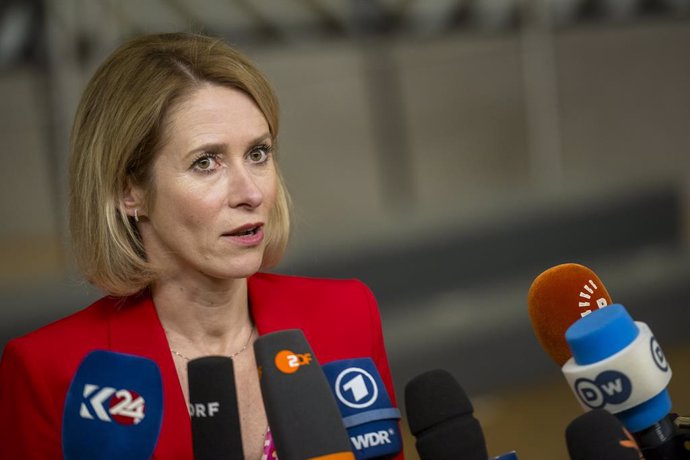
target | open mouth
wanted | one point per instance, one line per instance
(248, 230)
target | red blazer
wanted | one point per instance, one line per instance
(340, 319)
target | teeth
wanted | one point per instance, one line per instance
(251, 231)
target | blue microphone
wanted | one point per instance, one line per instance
(618, 365)
(113, 408)
(368, 414)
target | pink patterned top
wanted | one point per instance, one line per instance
(269, 447)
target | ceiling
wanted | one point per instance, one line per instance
(24, 23)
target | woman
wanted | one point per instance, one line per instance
(176, 204)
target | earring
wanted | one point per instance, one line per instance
(136, 214)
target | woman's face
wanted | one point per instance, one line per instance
(214, 184)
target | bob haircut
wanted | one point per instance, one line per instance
(117, 132)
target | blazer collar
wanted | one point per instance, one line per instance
(134, 327)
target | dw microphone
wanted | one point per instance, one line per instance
(618, 365)
(610, 361)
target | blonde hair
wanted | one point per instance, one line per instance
(117, 131)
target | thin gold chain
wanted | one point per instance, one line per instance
(249, 339)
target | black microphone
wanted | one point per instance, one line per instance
(440, 416)
(213, 407)
(599, 435)
(302, 413)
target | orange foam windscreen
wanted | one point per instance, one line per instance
(557, 298)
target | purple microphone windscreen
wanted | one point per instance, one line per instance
(441, 418)
(216, 431)
(113, 409)
(302, 413)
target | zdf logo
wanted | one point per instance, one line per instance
(109, 404)
(289, 362)
(609, 387)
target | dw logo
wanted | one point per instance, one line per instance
(124, 406)
(356, 388)
(658, 355)
(610, 387)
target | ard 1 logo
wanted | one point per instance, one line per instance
(356, 388)
(609, 387)
(108, 404)
(289, 362)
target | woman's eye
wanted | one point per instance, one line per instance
(259, 154)
(205, 163)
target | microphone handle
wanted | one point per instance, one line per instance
(668, 439)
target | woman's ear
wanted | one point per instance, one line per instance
(132, 201)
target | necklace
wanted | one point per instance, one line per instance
(246, 344)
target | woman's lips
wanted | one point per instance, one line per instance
(246, 235)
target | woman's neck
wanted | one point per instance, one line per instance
(203, 319)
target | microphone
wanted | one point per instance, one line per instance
(598, 435)
(368, 414)
(113, 408)
(439, 414)
(213, 408)
(303, 416)
(557, 298)
(618, 365)
(556, 306)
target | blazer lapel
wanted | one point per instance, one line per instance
(135, 328)
(272, 304)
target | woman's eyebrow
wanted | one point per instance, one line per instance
(262, 138)
(208, 147)
(223, 146)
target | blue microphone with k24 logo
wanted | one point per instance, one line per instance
(368, 414)
(113, 408)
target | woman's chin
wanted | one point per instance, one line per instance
(237, 270)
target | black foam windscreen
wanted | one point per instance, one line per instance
(216, 431)
(301, 410)
(599, 435)
(439, 414)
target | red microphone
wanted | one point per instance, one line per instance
(557, 298)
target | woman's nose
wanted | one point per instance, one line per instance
(244, 189)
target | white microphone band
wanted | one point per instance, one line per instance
(625, 379)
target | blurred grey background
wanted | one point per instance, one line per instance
(446, 152)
